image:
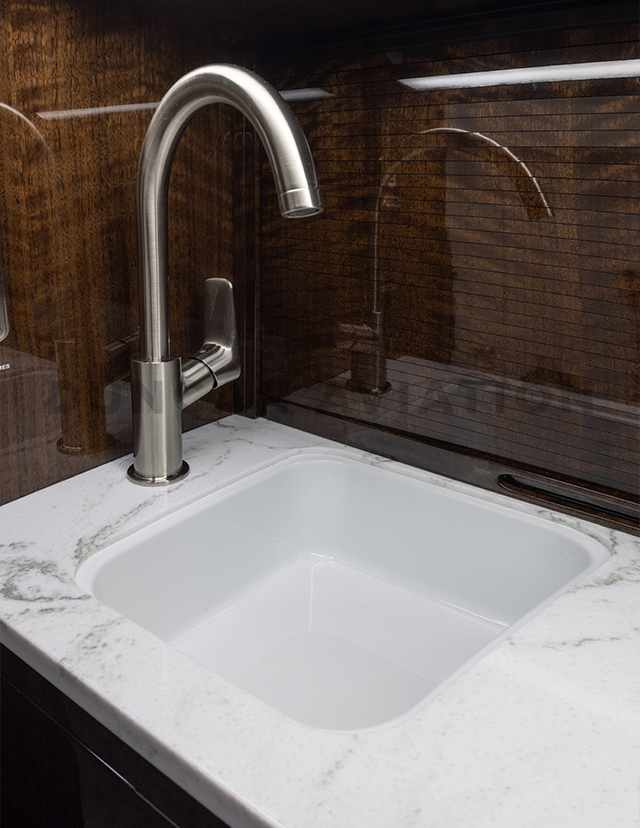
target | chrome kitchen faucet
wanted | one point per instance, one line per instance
(160, 385)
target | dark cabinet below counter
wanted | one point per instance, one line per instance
(60, 768)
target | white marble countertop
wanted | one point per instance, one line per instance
(544, 731)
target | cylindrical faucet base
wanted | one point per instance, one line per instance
(156, 391)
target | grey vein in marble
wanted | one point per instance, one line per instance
(543, 732)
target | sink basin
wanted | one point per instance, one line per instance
(343, 593)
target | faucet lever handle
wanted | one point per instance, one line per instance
(218, 361)
(220, 351)
(219, 314)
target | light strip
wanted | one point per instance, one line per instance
(56, 115)
(529, 74)
(310, 94)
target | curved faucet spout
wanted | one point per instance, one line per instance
(160, 386)
(287, 150)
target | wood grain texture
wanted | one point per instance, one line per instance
(69, 225)
(511, 320)
(507, 332)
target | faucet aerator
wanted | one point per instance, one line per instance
(301, 202)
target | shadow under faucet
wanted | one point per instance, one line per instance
(161, 386)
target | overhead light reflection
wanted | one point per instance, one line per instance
(29, 124)
(529, 74)
(56, 115)
(305, 94)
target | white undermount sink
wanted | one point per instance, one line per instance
(342, 593)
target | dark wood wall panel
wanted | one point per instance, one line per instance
(501, 329)
(68, 222)
(505, 291)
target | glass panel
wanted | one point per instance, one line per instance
(475, 278)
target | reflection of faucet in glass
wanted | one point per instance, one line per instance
(84, 364)
(368, 348)
(4, 314)
(161, 386)
(14, 114)
(368, 342)
(507, 162)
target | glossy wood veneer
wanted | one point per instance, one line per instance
(67, 207)
(538, 306)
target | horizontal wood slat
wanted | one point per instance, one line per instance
(458, 251)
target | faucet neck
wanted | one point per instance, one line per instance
(286, 148)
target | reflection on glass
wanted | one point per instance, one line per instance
(4, 314)
(503, 330)
(368, 342)
(59, 114)
(310, 94)
(528, 74)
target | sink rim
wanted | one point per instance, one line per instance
(598, 553)
(499, 501)
(214, 747)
